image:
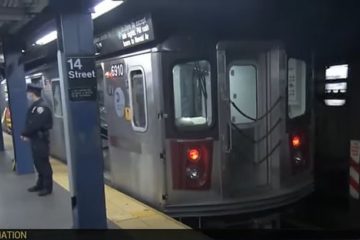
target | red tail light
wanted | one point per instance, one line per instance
(191, 164)
(296, 141)
(193, 155)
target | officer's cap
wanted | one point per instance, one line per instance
(36, 89)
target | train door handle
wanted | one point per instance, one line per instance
(229, 140)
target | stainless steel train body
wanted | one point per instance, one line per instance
(202, 128)
(199, 127)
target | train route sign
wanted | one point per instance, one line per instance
(81, 74)
(133, 33)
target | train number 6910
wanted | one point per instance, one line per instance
(117, 70)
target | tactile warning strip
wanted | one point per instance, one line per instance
(122, 210)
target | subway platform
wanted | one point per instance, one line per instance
(23, 210)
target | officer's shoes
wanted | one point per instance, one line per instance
(34, 189)
(44, 192)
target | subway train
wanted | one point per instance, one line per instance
(198, 125)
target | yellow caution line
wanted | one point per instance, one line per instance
(122, 210)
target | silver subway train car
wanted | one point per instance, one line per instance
(200, 129)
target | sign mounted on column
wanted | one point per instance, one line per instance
(81, 74)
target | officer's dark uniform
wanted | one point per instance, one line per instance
(38, 123)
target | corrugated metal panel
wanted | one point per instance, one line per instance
(14, 14)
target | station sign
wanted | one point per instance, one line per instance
(136, 32)
(81, 74)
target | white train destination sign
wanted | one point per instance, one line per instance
(134, 33)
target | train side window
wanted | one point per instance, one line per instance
(100, 85)
(138, 100)
(296, 88)
(243, 93)
(100, 92)
(192, 94)
(57, 98)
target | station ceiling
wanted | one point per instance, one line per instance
(15, 14)
(330, 26)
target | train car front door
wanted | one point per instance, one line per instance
(243, 85)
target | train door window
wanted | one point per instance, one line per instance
(57, 98)
(192, 94)
(243, 92)
(100, 92)
(296, 88)
(138, 100)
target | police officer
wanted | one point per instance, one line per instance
(37, 126)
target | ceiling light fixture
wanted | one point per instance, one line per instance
(51, 36)
(337, 72)
(100, 9)
(104, 7)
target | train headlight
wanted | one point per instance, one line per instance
(298, 158)
(192, 173)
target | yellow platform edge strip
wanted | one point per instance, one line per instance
(121, 209)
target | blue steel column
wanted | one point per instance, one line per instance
(15, 77)
(2, 108)
(2, 148)
(75, 38)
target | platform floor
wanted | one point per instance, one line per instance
(27, 210)
(20, 209)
